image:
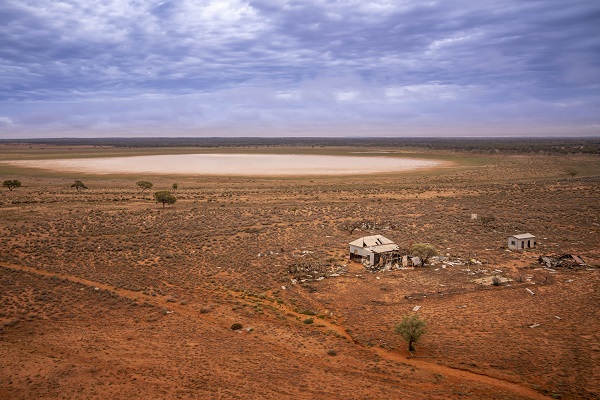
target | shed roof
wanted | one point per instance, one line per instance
(384, 248)
(524, 236)
(368, 241)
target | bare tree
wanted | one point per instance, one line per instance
(351, 226)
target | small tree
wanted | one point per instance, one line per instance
(164, 197)
(572, 172)
(174, 186)
(145, 185)
(411, 328)
(350, 226)
(423, 250)
(79, 185)
(11, 184)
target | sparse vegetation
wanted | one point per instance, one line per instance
(236, 327)
(572, 172)
(228, 263)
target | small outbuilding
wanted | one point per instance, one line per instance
(522, 241)
(372, 248)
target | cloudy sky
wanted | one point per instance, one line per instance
(299, 68)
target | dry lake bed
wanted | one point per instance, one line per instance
(232, 164)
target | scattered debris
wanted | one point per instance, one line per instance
(562, 261)
(530, 291)
(416, 308)
(557, 317)
(491, 280)
(534, 325)
(306, 270)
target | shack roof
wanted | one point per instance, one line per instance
(523, 236)
(369, 241)
(384, 248)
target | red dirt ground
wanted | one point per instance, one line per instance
(105, 294)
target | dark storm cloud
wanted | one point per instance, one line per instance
(315, 67)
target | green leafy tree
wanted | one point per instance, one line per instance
(411, 328)
(424, 251)
(174, 186)
(165, 197)
(79, 185)
(11, 184)
(145, 185)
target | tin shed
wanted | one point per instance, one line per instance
(522, 241)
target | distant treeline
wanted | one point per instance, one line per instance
(475, 145)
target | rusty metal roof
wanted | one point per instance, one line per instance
(368, 241)
(384, 248)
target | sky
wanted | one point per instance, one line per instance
(97, 68)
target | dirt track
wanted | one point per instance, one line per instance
(454, 374)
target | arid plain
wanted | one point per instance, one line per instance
(106, 294)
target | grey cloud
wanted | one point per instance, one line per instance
(318, 64)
